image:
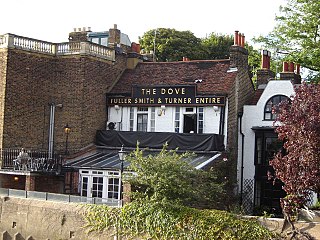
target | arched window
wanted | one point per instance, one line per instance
(272, 103)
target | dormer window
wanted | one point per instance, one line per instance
(271, 105)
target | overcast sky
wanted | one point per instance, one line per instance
(53, 20)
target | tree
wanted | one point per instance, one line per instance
(298, 167)
(167, 176)
(297, 34)
(216, 46)
(170, 44)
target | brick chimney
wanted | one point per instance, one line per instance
(114, 36)
(264, 74)
(79, 34)
(238, 54)
(288, 72)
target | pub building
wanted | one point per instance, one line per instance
(190, 105)
(69, 108)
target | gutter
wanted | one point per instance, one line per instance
(240, 114)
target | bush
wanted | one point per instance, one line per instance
(166, 220)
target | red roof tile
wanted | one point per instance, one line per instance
(256, 97)
(213, 73)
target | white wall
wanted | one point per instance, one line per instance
(253, 115)
(165, 122)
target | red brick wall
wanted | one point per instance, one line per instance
(3, 69)
(36, 80)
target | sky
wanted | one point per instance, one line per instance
(52, 21)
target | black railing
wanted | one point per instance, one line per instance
(30, 160)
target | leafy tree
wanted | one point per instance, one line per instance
(167, 175)
(170, 44)
(298, 167)
(297, 34)
(216, 46)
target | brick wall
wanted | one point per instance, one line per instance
(36, 80)
(41, 183)
(3, 69)
(241, 94)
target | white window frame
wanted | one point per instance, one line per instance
(106, 175)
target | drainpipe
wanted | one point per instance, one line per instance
(242, 158)
(51, 128)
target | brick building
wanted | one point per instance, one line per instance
(44, 87)
(87, 86)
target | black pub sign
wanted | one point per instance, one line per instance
(177, 95)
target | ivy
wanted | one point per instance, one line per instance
(167, 220)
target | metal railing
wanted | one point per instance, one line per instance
(33, 160)
(6, 192)
(57, 49)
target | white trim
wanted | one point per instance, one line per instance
(208, 161)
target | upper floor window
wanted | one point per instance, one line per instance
(271, 105)
(142, 119)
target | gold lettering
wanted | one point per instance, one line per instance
(189, 100)
(163, 91)
(159, 100)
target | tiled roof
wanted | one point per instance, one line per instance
(213, 73)
(256, 96)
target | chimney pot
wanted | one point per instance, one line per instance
(239, 39)
(265, 64)
(285, 67)
(115, 26)
(291, 67)
(236, 38)
(79, 29)
(298, 68)
(243, 39)
(74, 29)
(89, 29)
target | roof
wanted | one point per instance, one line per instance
(109, 160)
(214, 75)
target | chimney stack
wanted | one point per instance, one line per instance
(79, 34)
(265, 74)
(238, 54)
(289, 74)
(114, 36)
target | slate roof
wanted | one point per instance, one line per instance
(109, 160)
(213, 73)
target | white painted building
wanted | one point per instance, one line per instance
(258, 142)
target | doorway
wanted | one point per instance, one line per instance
(189, 123)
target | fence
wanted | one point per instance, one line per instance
(33, 160)
(5, 192)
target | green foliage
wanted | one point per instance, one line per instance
(170, 44)
(254, 60)
(165, 220)
(297, 34)
(216, 46)
(316, 206)
(167, 175)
